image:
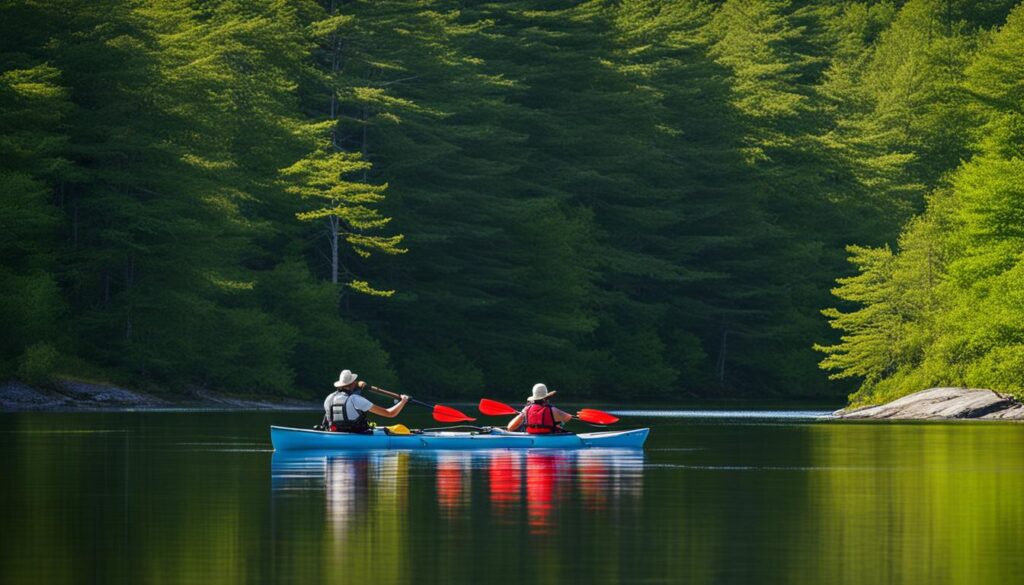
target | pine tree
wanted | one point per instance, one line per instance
(33, 108)
(774, 53)
(949, 301)
(322, 176)
(480, 292)
(157, 228)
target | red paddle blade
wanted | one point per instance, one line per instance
(495, 408)
(448, 414)
(598, 417)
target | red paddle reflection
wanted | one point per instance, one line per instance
(451, 478)
(504, 470)
(544, 475)
(544, 480)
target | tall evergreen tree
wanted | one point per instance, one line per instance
(598, 194)
(33, 109)
(774, 52)
(945, 309)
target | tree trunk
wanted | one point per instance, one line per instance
(333, 223)
(128, 326)
(364, 148)
(105, 279)
(129, 280)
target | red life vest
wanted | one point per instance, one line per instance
(540, 419)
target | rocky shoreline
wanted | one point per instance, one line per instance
(941, 404)
(73, 395)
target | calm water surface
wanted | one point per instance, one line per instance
(766, 498)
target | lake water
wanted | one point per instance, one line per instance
(714, 498)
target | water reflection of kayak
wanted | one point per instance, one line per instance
(511, 487)
(291, 439)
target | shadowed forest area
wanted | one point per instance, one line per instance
(639, 198)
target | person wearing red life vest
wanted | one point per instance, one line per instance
(539, 415)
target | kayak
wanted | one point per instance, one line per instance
(291, 439)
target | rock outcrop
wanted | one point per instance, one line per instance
(942, 403)
(69, 395)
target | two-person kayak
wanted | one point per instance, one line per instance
(292, 439)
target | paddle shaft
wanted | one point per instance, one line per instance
(397, 396)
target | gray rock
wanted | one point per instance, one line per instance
(88, 394)
(71, 395)
(15, 396)
(940, 404)
(218, 400)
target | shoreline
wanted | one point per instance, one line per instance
(941, 404)
(70, 395)
(65, 395)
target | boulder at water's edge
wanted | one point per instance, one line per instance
(942, 403)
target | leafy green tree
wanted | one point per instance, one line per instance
(157, 222)
(949, 300)
(495, 270)
(31, 102)
(34, 106)
(775, 55)
(321, 176)
(323, 341)
(592, 193)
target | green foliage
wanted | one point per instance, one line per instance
(871, 330)
(442, 369)
(33, 105)
(631, 198)
(348, 212)
(947, 309)
(322, 341)
(39, 363)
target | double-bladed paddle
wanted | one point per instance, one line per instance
(598, 417)
(441, 413)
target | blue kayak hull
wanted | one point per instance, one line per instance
(291, 439)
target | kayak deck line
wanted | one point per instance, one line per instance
(293, 439)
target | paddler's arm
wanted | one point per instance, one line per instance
(515, 422)
(561, 416)
(390, 412)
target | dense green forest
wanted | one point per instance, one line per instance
(651, 198)
(945, 304)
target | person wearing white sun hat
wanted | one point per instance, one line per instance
(539, 415)
(345, 410)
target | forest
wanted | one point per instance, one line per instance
(639, 199)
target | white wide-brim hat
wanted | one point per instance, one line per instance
(540, 392)
(345, 378)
